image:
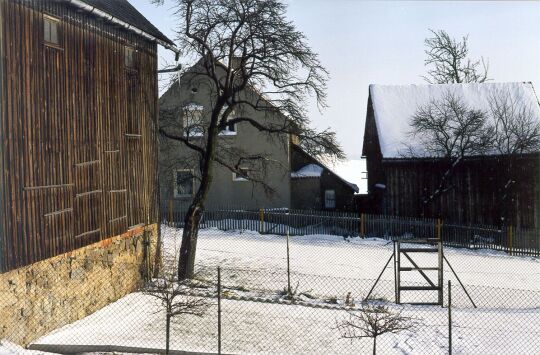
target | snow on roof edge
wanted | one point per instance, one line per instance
(393, 105)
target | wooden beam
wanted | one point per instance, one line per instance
(2, 125)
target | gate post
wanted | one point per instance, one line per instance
(510, 240)
(170, 211)
(362, 225)
(261, 220)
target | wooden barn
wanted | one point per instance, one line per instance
(78, 115)
(398, 183)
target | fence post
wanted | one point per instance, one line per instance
(261, 220)
(362, 225)
(439, 225)
(170, 211)
(449, 317)
(510, 239)
(219, 307)
(289, 291)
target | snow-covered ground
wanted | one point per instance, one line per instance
(331, 264)
(257, 318)
(255, 327)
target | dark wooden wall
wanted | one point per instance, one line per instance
(78, 127)
(372, 151)
(477, 186)
(476, 193)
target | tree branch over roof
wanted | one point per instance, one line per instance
(252, 59)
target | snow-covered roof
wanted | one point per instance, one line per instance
(395, 105)
(310, 170)
(353, 171)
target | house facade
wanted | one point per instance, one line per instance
(398, 183)
(78, 161)
(188, 101)
(181, 107)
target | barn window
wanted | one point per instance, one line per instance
(193, 120)
(129, 57)
(51, 31)
(330, 199)
(183, 183)
(241, 175)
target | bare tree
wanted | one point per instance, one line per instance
(449, 129)
(372, 321)
(175, 299)
(516, 132)
(516, 123)
(250, 57)
(449, 62)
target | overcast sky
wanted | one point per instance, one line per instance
(382, 42)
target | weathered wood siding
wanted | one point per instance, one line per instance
(476, 193)
(397, 186)
(78, 127)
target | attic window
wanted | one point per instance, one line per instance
(193, 120)
(230, 128)
(51, 31)
(129, 57)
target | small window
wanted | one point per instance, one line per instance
(183, 183)
(242, 175)
(230, 129)
(51, 30)
(192, 115)
(330, 199)
(129, 57)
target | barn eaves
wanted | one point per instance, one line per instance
(124, 14)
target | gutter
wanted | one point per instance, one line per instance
(93, 10)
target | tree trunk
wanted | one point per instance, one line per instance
(186, 261)
(374, 345)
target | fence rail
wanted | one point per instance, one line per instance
(283, 221)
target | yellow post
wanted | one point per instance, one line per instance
(170, 211)
(439, 225)
(362, 225)
(261, 219)
(510, 241)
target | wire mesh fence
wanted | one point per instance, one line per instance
(279, 293)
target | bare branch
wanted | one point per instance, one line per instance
(372, 321)
(448, 61)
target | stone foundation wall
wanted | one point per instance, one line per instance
(41, 297)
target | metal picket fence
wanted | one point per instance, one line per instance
(280, 221)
